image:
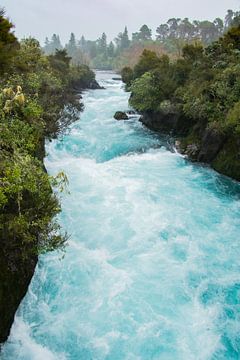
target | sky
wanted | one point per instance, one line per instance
(41, 18)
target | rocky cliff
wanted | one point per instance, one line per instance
(199, 142)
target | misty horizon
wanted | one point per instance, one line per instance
(83, 18)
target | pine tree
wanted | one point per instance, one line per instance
(47, 46)
(102, 45)
(72, 45)
(111, 50)
(55, 44)
(125, 42)
(82, 43)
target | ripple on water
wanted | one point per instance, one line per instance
(152, 267)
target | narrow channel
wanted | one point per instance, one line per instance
(152, 268)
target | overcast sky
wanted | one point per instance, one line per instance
(41, 18)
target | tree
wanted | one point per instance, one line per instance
(8, 43)
(75, 52)
(232, 39)
(51, 46)
(173, 27)
(102, 45)
(127, 75)
(122, 40)
(82, 43)
(27, 57)
(47, 46)
(233, 118)
(228, 19)
(236, 20)
(144, 34)
(162, 32)
(60, 61)
(144, 95)
(111, 50)
(219, 27)
(192, 53)
(207, 32)
(72, 45)
(186, 30)
(125, 42)
(177, 32)
(92, 48)
(56, 43)
(152, 88)
(148, 61)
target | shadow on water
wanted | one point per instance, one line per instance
(213, 181)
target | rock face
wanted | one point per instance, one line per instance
(78, 96)
(227, 160)
(94, 85)
(15, 276)
(91, 85)
(120, 115)
(211, 144)
(166, 122)
(197, 141)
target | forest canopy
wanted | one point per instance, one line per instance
(201, 89)
(125, 49)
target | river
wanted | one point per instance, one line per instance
(152, 269)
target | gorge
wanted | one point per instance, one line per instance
(152, 267)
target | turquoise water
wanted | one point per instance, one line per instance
(152, 270)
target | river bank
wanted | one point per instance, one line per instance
(194, 98)
(198, 142)
(38, 102)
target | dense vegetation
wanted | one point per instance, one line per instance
(37, 102)
(176, 32)
(170, 38)
(196, 96)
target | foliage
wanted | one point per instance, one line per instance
(181, 31)
(144, 95)
(233, 118)
(52, 45)
(144, 34)
(148, 61)
(27, 204)
(195, 97)
(8, 43)
(130, 56)
(122, 40)
(127, 75)
(170, 39)
(204, 84)
(37, 101)
(155, 85)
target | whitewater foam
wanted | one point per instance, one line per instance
(152, 267)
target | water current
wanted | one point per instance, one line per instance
(152, 269)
